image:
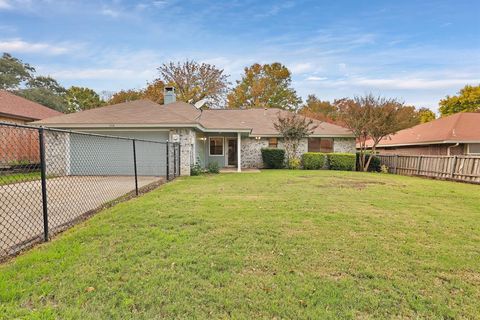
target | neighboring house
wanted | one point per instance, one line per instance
(232, 138)
(20, 145)
(458, 134)
(20, 110)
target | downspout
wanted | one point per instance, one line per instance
(454, 146)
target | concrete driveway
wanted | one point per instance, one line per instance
(21, 213)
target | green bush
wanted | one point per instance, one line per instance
(375, 164)
(273, 158)
(294, 164)
(313, 160)
(341, 161)
(213, 167)
(196, 169)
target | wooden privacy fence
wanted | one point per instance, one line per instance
(459, 168)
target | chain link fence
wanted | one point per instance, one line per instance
(50, 179)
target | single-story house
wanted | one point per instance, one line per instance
(20, 110)
(20, 146)
(458, 134)
(232, 138)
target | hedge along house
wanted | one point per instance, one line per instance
(232, 138)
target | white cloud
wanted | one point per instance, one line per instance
(302, 67)
(314, 78)
(413, 83)
(110, 12)
(21, 46)
(5, 4)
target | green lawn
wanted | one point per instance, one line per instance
(19, 177)
(278, 244)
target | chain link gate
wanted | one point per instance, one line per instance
(50, 179)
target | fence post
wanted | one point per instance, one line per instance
(396, 164)
(419, 164)
(168, 162)
(43, 169)
(454, 164)
(135, 167)
(174, 161)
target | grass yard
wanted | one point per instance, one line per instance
(277, 244)
(19, 177)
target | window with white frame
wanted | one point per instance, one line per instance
(474, 148)
(216, 146)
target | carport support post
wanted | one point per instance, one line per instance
(44, 182)
(174, 161)
(179, 159)
(135, 167)
(168, 160)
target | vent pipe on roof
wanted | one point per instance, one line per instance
(169, 95)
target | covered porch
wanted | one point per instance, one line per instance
(224, 148)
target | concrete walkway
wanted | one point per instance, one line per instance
(21, 211)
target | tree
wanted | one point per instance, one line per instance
(195, 82)
(79, 98)
(154, 91)
(47, 83)
(409, 116)
(426, 115)
(467, 100)
(264, 86)
(44, 97)
(45, 91)
(293, 128)
(125, 96)
(14, 72)
(371, 119)
(318, 109)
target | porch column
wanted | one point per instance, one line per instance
(239, 152)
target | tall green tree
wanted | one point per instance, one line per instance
(264, 86)
(45, 91)
(20, 78)
(14, 72)
(80, 98)
(467, 100)
(44, 97)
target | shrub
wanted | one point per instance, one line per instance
(294, 164)
(341, 161)
(273, 158)
(313, 160)
(375, 164)
(384, 169)
(213, 167)
(196, 169)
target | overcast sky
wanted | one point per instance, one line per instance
(418, 51)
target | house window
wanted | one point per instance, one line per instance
(216, 146)
(273, 143)
(474, 148)
(320, 145)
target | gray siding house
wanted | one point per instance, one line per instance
(232, 138)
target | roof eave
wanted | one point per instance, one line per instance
(424, 143)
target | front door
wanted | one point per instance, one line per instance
(232, 152)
